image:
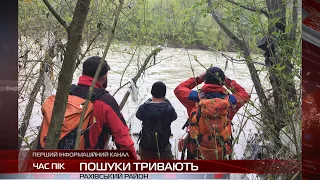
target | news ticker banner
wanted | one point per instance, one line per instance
(116, 161)
(125, 176)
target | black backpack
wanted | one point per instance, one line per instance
(152, 136)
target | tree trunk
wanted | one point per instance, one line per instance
(269, 117)
(74, 30)
(28, 111)
(110, 38)
(47, 83)
(282, 81)
(266, 111)
(33, 95)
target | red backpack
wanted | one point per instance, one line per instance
(210, 129)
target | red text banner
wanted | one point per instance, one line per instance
(282, 167)
(38, 162)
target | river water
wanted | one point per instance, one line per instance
(174, 66)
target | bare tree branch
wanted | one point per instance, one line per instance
(87, 50)
(39, 61)
(229, 58)
(137, 76)
(29, 108)
(158, 62)
(121, 86)
(262, 11)
(56, 15)
(223, 26)
(128, 64)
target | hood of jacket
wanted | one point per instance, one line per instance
(153, 110)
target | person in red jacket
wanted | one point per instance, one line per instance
(214, 79)
(106, 118)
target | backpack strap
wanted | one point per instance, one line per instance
(97, 93)
(139, 138)
(186, 124)
(72, 89)
(232, 99)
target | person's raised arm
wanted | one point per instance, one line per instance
(238, 91)
(186, 95)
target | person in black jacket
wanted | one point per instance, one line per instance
(156, 115)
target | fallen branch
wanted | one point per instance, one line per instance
(137, 76)
(144, 70)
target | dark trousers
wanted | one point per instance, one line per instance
(153, 155)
